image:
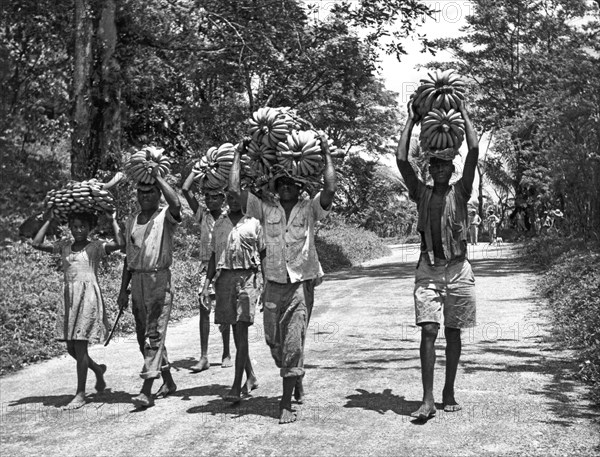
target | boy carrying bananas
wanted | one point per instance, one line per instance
(206, 217)
(444, 280)
(291, 268)
(149, 249)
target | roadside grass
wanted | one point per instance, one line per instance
(571, 283)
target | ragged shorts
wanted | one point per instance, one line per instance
(448, 288)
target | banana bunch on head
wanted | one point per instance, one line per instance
(282, 139)
(437, 101)
(212, 170)
(140, 164)
(300, 153)
(79, 197)
(441, 130)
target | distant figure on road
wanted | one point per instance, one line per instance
(149, 237)
(82, 316)
(492, 224)
(236, 247)
(206, 217)
(291, 268)
(444, 282)
(474, 222)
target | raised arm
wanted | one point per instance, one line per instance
(118, 242)
(235, 187)
(329, 178)
(406, 170)
(169, 194)
(473, 151)
(187, 193)
(38, 239)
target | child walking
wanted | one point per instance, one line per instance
(82, 317)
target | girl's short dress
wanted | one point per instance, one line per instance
(82, 315)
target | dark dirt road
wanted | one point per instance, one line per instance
(363, 381)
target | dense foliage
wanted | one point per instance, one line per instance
(534, 69)
(570, 282)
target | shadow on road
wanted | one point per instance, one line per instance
(383, 402)
(202, 391)
(397, 270)
(256, 406)
(498, 267)
(526, 360)
(58, 401)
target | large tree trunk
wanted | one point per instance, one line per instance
(81, 151)
(108, 136)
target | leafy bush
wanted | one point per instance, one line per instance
(571, 283)
(342, 245)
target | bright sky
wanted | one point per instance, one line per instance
(403, 77)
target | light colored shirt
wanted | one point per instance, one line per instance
(237, 247)
(290, 244)
(155, 251)
(207, 224)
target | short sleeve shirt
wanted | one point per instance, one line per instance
(290, 245)
(237, 247)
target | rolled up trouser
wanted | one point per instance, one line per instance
(287, 309)
(151, 299)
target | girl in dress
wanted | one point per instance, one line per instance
(81, 318)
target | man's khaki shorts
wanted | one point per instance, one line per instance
(446, 288)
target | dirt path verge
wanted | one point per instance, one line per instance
(362, 382)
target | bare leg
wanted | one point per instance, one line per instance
(204, 333)
(168, 387)
(287, 414)
(453, 350)
(225, 334)
(79, 348)
(427, 351)
(144, 399)
(240, 337)
(299, 390)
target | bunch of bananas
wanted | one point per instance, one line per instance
(300, 154)
(261, 157)
(140, 164)
(441, 130)
(437, 102)
(440, 89)
(212, 170)
(282, 139)
(85, 196)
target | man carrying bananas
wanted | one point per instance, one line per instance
(444, 281)
(149, 249)
(206, 217)
(291, 268)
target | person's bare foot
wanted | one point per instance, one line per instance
(165, 390)
(226, 362)
(299, 391)
(425, 412)
(142, 401)
(233, 396)
(77, 402)
(201, 365)
(449, 403)
(286, 414)
(100, 383)
(250, 385)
